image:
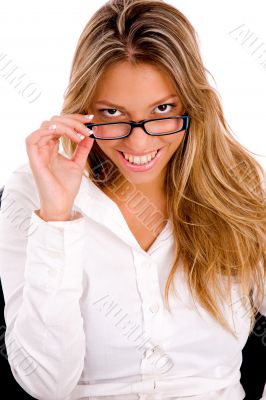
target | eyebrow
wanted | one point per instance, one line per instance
(108, 103)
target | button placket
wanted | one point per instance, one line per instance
(150, 289)
(55, 254)
(153, 358)
(52, 272)
(154, 308)
(54, 276)
(146, 264)
(148, 284)
(153, 299)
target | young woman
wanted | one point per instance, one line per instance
(133, 262)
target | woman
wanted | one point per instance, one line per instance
(144, 263)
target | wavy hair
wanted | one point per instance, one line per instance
(214, 186)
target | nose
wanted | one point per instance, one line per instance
(138, 140)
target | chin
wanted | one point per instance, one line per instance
(139, 178)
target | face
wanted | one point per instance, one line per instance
(128, 92)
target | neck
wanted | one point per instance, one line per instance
(129, 195)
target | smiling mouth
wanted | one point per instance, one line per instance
(139, 160)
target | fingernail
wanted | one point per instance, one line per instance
(89, 116)
(53, 126)
(80, 136)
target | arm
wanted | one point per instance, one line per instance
(41, 273)
(262, 310)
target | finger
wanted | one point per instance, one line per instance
(45, 134)
(45, 124)
(78, 117)
(33, 148)
(72, 123)
(54, 140)
(81, 152)
(83, 118)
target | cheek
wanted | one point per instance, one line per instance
(173, 141)
(106, 147)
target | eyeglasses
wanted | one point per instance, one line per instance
(153, 127)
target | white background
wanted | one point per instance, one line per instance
(40, 38)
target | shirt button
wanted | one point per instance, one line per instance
(55, 254)
(150, 352)
(154, 308)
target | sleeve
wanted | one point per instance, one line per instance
(262, 310)
(41, 266)
(262, 307)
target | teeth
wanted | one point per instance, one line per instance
(140, 159)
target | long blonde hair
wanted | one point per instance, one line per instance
(214, 187)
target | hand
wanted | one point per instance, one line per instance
(58, 178)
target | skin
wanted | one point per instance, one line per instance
(135, 88)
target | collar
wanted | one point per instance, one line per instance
(96, 205)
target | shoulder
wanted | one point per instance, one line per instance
(20, 186)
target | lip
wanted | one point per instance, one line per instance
(140, 154)
(140, 167)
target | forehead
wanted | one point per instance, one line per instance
(124, 81)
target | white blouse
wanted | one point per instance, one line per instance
(84, 308)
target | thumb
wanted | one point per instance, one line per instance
(81, 152)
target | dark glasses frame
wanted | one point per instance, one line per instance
(133, 124)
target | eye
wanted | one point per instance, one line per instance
(167, 110)
(109, 109)
(106, 111)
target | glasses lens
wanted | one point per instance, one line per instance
(110, 131)
(164, 126)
